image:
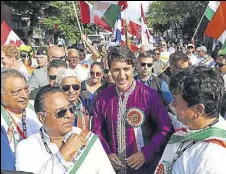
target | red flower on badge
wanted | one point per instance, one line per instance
(135, 117)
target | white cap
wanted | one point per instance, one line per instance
(67, 73)
(202, 48)
(190, 45)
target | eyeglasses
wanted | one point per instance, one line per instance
(156, 53)
(148, 64)
(66, 88)
(61, 58)
(98, 74)
(106, 71)
(60, 113)
(219, 64)
(52, 77)
(18, 91)
(190, 47)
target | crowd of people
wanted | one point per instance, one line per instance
(104, 109)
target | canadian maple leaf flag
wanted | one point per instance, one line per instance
(8, 36)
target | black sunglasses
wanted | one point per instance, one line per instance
(52, 77)
(190, 47)
(62, 112)
(219, 64)
(148, 64)
(75, 87)
(61, 58)
(106, 71)
(156, 53)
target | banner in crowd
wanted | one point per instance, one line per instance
(8, 36)
(216, 13)
(87, 16)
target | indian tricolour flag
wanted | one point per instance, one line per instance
(8, 36)
(216, 13)
(108, 10)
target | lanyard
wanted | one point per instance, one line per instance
(24, 132)
(180, 151)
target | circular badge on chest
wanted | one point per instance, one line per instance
(135, 117)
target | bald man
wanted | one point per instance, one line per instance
(39, 77)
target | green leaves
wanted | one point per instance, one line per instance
(162, 14)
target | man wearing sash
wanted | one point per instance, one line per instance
(205, 59)
(198, 145)
(130, 118)
(16, 112)
(59, 147)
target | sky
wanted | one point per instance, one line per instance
(133, 10)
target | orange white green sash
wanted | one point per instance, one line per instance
(82, 153)
(211, 135)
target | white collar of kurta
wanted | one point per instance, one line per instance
(129, 91)
(47, 138)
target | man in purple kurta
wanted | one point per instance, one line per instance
(130, 118)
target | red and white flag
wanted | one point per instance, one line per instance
(8, 36)
(145, 35)
(88, 17)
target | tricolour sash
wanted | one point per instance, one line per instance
(206, 134)
(82, 153)
(211, 135)
(8, 122)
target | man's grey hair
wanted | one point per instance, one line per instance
(9, 73)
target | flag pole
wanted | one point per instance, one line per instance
(78, 21)
(77, 18)
(198, 26)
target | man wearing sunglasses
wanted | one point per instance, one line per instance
(221, 67)
(124, 115)
(39, 77)
(59, 147)
(145, 75)
(53, 70)
(177, 62)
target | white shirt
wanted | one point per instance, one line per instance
(201, 158)
(23, 70)
(88, 61)
(193, 59)
(33, 125)
(82, 71)
(164, 57)
(96, 162)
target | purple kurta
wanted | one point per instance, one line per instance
(156, 127)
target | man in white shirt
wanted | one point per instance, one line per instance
(193, 60)
(84, 58)
(164, 55)
(73, 61)
(60, 148)
(17, 114)
(198, 145)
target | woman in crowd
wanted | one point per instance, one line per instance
(90, 86)
(68, 80)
